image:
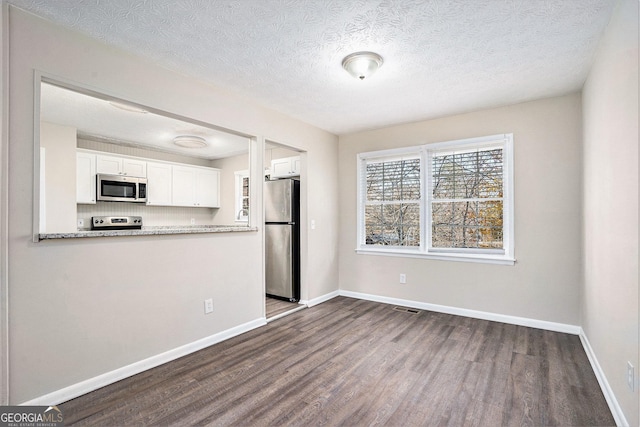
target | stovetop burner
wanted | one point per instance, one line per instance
(116, 222)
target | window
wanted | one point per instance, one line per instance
(242, 196)
(392, 206)
(450, 200)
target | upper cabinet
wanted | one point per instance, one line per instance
(208, 188)
(168, 184)
(116, 165)
(159, 191)
(85, 178)
(285, 167)
(195, 186)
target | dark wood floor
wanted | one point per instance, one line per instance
(353, 362)
(275, 307)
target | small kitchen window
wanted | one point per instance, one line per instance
(242, 196)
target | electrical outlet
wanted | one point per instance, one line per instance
(208, 306)
(193, 221)
(80, 223)
(631, 377)
(403, 278)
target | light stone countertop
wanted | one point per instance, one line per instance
(150, 231)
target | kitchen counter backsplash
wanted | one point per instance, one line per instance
(151, 215)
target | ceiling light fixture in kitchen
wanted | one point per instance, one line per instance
(362, 64)
(190, 141)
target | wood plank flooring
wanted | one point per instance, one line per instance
(353, 362)
(276, 307)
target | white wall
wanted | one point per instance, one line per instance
(544, 284)
(70, 318)
(610, 295)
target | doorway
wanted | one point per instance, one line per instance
(284, 163)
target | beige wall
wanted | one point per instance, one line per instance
(544, 284)
(277, 153)
(70, 319)
(610, 295)
(226, 215)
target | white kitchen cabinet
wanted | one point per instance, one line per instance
(208, 188)
(194, 186)
(116, 165)
(159, 184)
(285, 167)
(85, 178)
(183, 186)
(168, 184)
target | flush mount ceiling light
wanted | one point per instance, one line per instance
(190, 141)
(362, 64)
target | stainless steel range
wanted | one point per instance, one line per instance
(116, 222)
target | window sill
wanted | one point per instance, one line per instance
(477, 258)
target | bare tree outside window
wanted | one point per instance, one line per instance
(467, 199)
(245, 194)
(392, 208)
(242, 196)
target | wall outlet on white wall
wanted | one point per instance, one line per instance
(403, 278)
(80, 223)
(208, 306)
(631, 376)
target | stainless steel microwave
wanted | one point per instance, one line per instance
(120, 188)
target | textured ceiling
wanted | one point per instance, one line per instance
(441, 56)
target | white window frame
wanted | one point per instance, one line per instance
(505, 256)
(239, 176)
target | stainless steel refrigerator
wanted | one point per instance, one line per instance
(282, 238)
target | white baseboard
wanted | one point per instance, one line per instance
(301, 306)
(95, 383)
(615, 408)
(321, 299)
(484, 315)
